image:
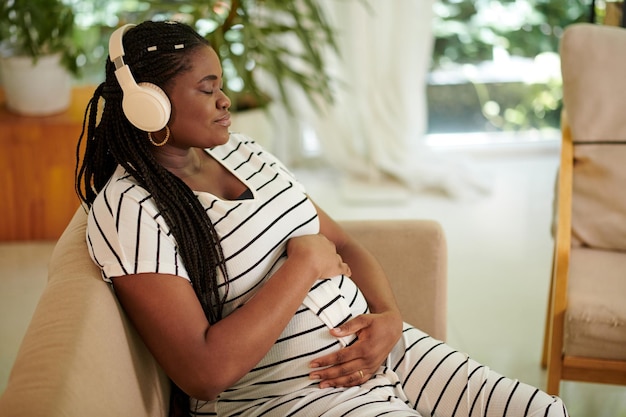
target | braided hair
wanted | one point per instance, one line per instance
(114, 141)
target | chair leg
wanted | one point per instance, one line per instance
(553, 385)
(552, 349)
(546, 338)
(550, 359)
(546, 332)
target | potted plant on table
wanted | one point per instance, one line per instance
(37, 55)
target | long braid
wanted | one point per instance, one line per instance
(116, 141)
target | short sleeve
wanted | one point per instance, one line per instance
(127, 235)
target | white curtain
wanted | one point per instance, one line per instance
(375, 130)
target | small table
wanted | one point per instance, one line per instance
(37, 163)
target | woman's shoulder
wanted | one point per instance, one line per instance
(124, 183)
(121, 188)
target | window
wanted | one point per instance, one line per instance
(496, 66)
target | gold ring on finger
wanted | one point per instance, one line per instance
(361, 373)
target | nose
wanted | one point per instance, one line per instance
(223, 102)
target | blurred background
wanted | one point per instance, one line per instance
(440, 109)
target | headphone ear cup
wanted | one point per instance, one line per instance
(147, 107)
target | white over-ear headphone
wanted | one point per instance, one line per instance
(145, 104)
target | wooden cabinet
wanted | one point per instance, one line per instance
(37, 162)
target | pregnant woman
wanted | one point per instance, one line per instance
(252, 299)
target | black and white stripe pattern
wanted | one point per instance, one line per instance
(422, 377)
(127, 235)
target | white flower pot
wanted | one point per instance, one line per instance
(37, 89)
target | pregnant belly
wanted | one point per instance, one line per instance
(285, 368)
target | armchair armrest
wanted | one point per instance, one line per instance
(413, 254)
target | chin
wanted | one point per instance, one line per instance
(225, 137)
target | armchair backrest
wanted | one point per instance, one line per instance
(593, 65)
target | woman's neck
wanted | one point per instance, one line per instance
(181, 162)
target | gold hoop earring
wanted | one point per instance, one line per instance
(164, 141)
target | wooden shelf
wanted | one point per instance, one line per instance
(37, 163)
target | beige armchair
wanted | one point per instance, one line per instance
(585, 337)
(81, 357)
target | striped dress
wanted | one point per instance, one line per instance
(422, 376)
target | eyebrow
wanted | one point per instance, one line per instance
(208, 78)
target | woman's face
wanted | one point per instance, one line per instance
(200, 116)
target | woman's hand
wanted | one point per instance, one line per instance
(357, 363)
(319, 253)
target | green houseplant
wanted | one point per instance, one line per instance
(266, 46)
(37, 35)
(36, 28)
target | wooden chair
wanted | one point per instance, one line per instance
(585, 335)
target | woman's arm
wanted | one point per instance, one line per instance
(378, 332)
(202, 359)
(366, 271)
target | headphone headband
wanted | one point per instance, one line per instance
(145, 105)
(116, 47)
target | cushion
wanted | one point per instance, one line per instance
(594, 96)
(598, 197)
(595, 321)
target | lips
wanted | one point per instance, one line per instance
(224, 120)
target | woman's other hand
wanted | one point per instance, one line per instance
(357, 363)
(319, 253)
